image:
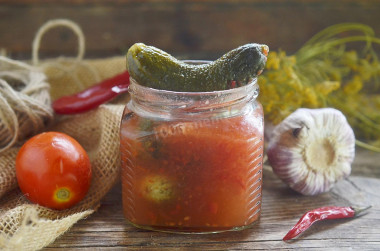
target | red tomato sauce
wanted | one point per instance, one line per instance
(198, 176)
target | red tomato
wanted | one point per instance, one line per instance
(53, 170)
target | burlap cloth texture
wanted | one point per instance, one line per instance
(27, 226)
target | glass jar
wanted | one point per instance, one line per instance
(192, 161)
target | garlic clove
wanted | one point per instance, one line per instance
(312, 149)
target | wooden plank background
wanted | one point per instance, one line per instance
(191, 29)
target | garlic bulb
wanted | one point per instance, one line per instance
(312, 149)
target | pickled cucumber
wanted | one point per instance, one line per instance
(152, 67)
(158, 188)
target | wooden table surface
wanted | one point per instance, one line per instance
(106, 229)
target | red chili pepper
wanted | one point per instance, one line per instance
(93, 96)
(323, 213)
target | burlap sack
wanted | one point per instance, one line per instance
(27, 226)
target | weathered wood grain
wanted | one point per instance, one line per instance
(366, 163)
(191, 29)
(281, 209)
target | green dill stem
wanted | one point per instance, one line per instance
(339, 28)
(367, 121)
(316, 59)
(311, 51)
(367, 146)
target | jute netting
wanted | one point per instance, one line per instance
(27, 226)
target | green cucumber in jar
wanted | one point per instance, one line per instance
(154, 68)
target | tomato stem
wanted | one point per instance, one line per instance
(62, 194)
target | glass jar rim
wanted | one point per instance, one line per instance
(231, 91)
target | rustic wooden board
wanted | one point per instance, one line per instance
(107, 230)
(192, 29)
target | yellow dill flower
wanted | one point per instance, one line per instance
(326, 87)
(269, 92)
(292, 60)
(284, 112)
(268, 95)
(350, 59)
(271, 76)
(295, 84)
(273, 61)
(268, 107)
(310, 98)
(292, 99)
(283, 79)
(365, 69)
(262, 80)
(376, 67)
(282, 54)
(278, 114)
(353, 86)
(335, 75)
(275, 117)
(324, 74)
(289, 71)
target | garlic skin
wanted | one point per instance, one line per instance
(312, 149)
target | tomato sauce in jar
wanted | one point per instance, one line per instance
(192, 162)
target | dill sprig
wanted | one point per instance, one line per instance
(326, 73)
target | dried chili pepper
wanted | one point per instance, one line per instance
(323, 213)
(93, 96)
